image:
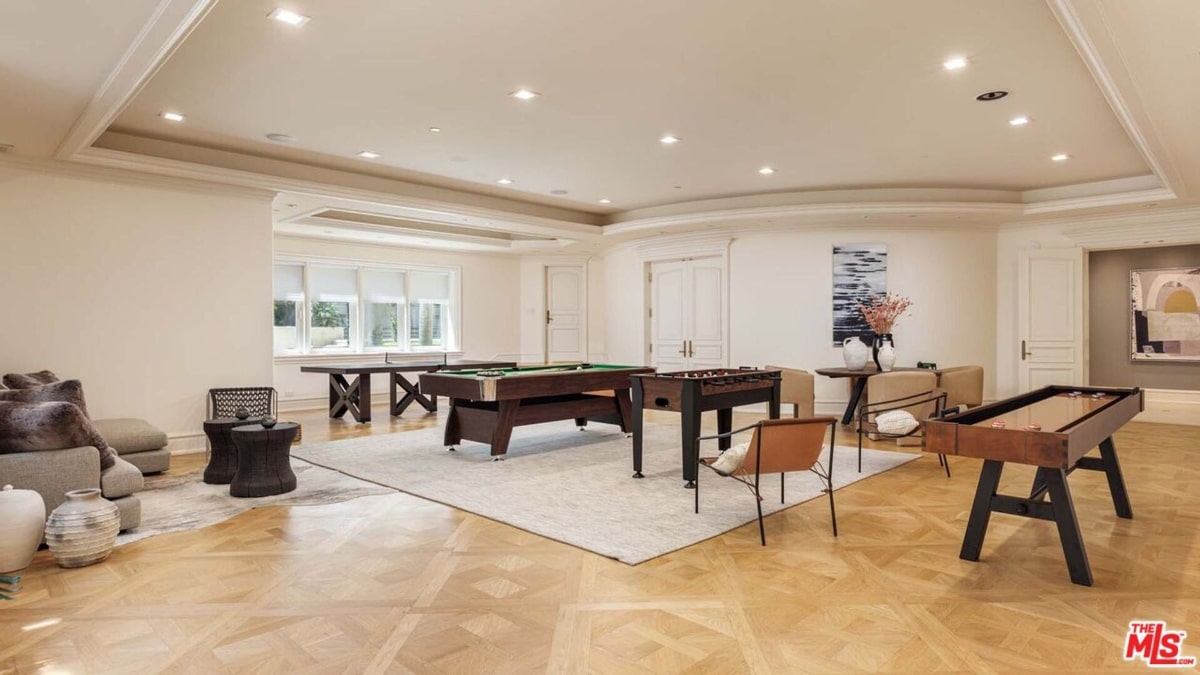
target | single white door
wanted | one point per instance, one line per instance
(565, 314)
(688, 314)
(1050, 317)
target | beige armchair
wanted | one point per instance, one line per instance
(913, 391)
(796, 387)
(963, 386)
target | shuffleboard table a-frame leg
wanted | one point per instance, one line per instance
(1051, 482)
(354, 397)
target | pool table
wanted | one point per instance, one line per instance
(486, 404)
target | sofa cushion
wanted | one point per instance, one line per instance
(50, 425)
(120, 479)
(70, 391)
(128, 434)
(27, 380)
(151, 461)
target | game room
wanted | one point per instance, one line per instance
(622, 337)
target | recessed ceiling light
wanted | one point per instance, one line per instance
(955, 63)
(1060, 157)
(280, 138)
(171, 116)
(524, 94)
(558, 192)
(289, 17)
(367, 154)
(1019, 121)
(505, 181)
(668, 140)
(606, 201)
(766, 171)
(992, 95)
(435, 129)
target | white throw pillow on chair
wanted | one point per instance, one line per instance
(896, 422)
(731, 460)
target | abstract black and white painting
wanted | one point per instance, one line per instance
(859, 272)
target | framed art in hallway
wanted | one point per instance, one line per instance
(859, 273)
(1165, 319)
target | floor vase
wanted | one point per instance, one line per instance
(22, 521)
(83, 529)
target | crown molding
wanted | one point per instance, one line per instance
(1068, 15)
(170, 23)
(1131, 230)
(132, 178)
(413, 208)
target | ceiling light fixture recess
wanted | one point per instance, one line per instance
(669, 140)
(280, 138)
(558, 192)
(991, 95)
(1060, 157)
(524, 94)
(172, 116)
(955, 63)
(505, 181)
(435, 129)
(606, 201)
(1019, 121)
(367, 154)
(766, 171)
(289, 17)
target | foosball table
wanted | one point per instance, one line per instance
(692, 392)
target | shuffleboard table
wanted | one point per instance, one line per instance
(355, 397)
(486, 404)
(691, 392)
(1052, 428)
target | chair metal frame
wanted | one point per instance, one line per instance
(825, 474)
(869, 412)
(259, 401)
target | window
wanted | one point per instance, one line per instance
(328, 308)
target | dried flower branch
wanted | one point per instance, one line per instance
(882, 311)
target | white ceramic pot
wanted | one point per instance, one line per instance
(22, 521)
(83, 529)
(887, 357)
(855, 353)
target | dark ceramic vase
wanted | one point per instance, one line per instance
(877, 344)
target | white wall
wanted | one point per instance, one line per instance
(149, 291)
(491, 300)
(780, 296)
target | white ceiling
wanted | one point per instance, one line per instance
(846, 99)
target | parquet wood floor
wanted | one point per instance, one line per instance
(397, 584)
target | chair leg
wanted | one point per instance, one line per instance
(762, 532)
(860, 451)
(945, 463)
(781, 477)
(832, 511)
(697, 490)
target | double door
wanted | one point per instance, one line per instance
(688, 314)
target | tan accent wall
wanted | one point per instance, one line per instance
(1108, 319)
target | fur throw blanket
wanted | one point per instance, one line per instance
(67, 391)
(24, 381)
(52, 425)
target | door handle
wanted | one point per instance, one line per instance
(683, 349)
(1024, 353)
(691, 349)
(548, 319)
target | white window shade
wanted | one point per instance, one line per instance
(385, 287)
(289, 283)
(333, 284)
(429, 286)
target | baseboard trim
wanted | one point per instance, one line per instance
(1171, 406)
(183, 443)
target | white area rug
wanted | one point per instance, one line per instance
(177, 502)
(576, 487)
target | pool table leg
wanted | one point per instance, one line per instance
(505, 418)
(453, 433)
(637, 414)
(624, 409)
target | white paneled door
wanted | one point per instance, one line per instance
(688, 314)
(1050, 317)
(565, 314)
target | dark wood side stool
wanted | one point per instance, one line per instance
(263, 460)
(222, 457)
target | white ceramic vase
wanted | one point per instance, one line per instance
(855, 353)
(887, 357)
(22, 521)
(83, 529)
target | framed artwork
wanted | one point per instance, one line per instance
(1165, 321)
(859, 272)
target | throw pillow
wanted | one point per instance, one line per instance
(731, 460)
(27, 380)
(896, 422)
(68, 391)
(52, 425)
